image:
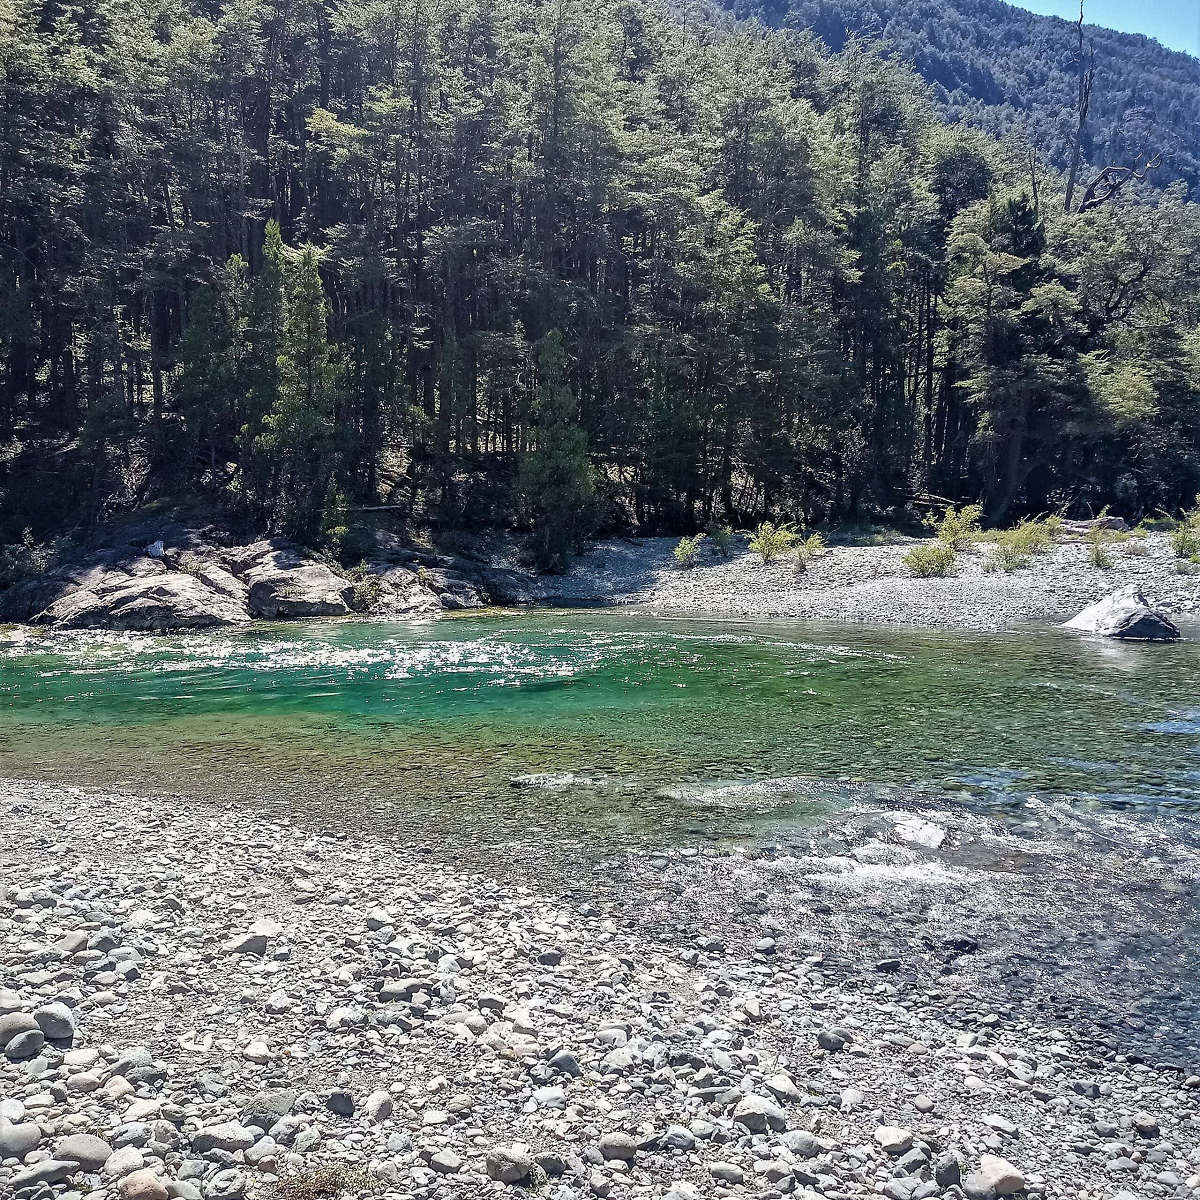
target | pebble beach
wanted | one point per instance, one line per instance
(210, 1004)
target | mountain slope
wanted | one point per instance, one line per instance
(1003, 68)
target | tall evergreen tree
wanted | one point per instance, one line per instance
(555, 482)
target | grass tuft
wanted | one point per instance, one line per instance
(930, 559)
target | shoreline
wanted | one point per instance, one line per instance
(869, 584)
(253, 996)
(156, 580)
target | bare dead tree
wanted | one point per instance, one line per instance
(1086, 68)
(1108, 184)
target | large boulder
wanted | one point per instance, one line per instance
(1127, 614)
(153, 603)
(401, 592)
(284, 584)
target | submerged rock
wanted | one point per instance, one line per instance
(1127, 614)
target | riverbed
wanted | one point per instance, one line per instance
(637, 906)
(1032, 795)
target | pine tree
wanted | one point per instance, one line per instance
(555, 482)
(211, 388)
(300, 442)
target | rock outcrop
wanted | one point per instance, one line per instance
(1126, 614)
(154, 603)
(283, 584)
(179, 579)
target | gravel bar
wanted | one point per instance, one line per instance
(202, 1002)
(871, 583)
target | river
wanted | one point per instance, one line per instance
(1024, 806)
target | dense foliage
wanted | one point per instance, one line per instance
(556, 264)
(1008, 71)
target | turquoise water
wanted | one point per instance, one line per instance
(594, 723)
(1059, 776)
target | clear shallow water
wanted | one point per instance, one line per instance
(606, 724)
(1035, 792)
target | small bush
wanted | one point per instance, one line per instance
(809, 548)
(770, 540)
(1185, 537)
(721, 537)
(1136, 546)
(687, 553)
(1028, 537)
(191, 564)
(1098, 541)
(1185, 540)
(367, 588)
(26, 558)
(958, 528)
(1007, 556)
(930, 559)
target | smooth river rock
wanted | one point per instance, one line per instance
(154, 604)
(1126, 614)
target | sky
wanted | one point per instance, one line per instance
(1175, 23)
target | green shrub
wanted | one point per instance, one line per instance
(191, 564)
(27, 558)
(1185, 540)
(808, 549)
(1007, 555)
(958, 528)
(368, 587)
(687, 553)
(1028, 537)
(771, 540)
(721, 537)
(930, 559)
(1185, 537)
(1098, 541)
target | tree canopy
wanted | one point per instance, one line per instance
(541, 262)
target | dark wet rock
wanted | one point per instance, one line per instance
(265, 1109)
(947, 1171)
(828, 1040)
(13, 1024)
(510, 587)
(1126, 614)
(25, 1045)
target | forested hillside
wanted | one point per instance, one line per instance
(556, 264)
(1007, 70)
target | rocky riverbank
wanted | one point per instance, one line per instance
(158, 578)
(209, 1003)
(871, 583)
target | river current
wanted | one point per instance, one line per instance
(1032, 796)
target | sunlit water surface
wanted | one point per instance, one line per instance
(585, 733)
